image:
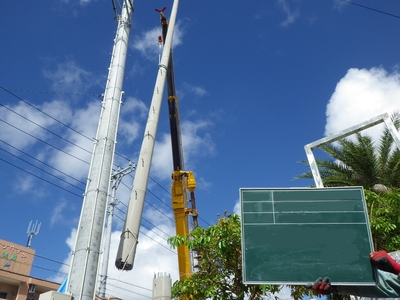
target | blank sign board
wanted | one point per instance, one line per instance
(294, 236)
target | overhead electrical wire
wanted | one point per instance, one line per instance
(63, 273)
(67, 126)
(51, 117)
(42, 162)
(44, 142)
(45, 129)
(30, 173)
(60, 179)
(370, 8)
(131, 284)
(50, 259)
(200, 218)
(116, 295)
(52, 92)
(148, 235)
(50, 270)
(127, 290)
(48, 115)
(44, 171)
(14, 95)
(154, 226)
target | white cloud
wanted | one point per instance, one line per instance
(26, 184)
(161, 165)
(133, 114)
(56, 215)
(197, 91)
(339, 4)
(284, 294)
(39, 133)
(68, 76)
(61, 213)
(153, 256)
(194, 143)
(147, 42)
(237, 209)
(291, 15)
(195, 140)
(84, 121)
(59, 277)
(23, 125)
(361, 95)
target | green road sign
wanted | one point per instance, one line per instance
(294, 236)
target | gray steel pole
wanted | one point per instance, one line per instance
(130, 232)
(85, 256)
(115, 180)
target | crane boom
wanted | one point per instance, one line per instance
(130, 232)
(182, 180)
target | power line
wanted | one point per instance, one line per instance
(14, 95)
(48, 115)
(154, 226)
(373, 9)
(52, 92)
(50, 259)
(208, 224)
(131, 284)
(158, 198)
(43, 170)
(60, 187)
(40, 126)
(26, 102)
(42, 162)
(44, 142)
(48, 269)
(148, 235)
(127, 297)
(60, 171)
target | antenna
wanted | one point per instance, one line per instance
(33, 229)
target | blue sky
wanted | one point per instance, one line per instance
(256, 81)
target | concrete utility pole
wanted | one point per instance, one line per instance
(162, 287)
(82, 276)
(130, 231)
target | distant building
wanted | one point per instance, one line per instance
(15, 268)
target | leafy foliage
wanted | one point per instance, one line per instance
(384, 216)
(219, 274)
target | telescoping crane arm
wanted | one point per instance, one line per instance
(183, 182)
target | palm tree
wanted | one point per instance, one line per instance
(360, 162)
